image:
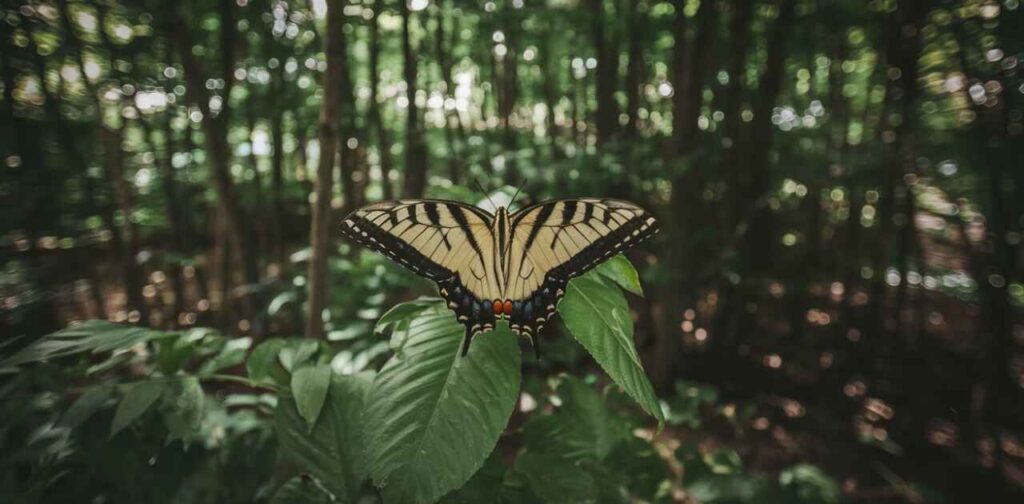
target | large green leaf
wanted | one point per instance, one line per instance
(138, 398)
(598, 317)
(335, 450)
(435, 416)
(91, 336)
(309, 387)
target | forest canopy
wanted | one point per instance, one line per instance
(832, 311)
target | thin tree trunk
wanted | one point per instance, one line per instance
(172, 199)
(549, 67)
(277, 214)
(733, 138)
(320, 225)
(691, 64)
(903, 48)
(607, 73)
(218, 151)
(383, 143)
(635, 68)
(453, 144)
(260, 224)
(415, 182)
(508, 94)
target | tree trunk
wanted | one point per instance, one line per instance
(277, 214)
(383, 144)
(903, 49)
(453, 144)
(755, 246)
(549, 67)
(320, 226)
(691, 64)
(607, 73)
(218, 150)
(733, 138)
(172, 202)
(260, 227)
(635, 68)
(508, 92)
(415, 150)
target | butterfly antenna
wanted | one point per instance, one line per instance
(520, 188)
(485, 193)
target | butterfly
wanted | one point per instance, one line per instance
(512, 266)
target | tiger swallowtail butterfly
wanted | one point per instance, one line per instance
(505, 266)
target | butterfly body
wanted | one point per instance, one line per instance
(501, 266)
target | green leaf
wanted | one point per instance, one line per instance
(403, 313)
(640, 465)
(183, 408)
(481, 487)
(172, 354)
(334, 451)
(724, 461)
(619, 270)
(598, 317)
(280, 301)
(398, 319)
(810, 484)
(232, 354)
(733, 488)
(581, 428)
(556, 479)
(297, 352)
(138, 398)
(435, 416)
(263, 366)
(93, 400)
(300, 490)
(309, 388)
(92, 336)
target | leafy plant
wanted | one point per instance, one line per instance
(421, 428)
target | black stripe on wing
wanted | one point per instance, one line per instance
(360, 230)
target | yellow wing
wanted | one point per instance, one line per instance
(555, 241)
(445, 241)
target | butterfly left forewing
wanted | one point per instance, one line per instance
(444, 241)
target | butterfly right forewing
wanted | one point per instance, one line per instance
(556, 241)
